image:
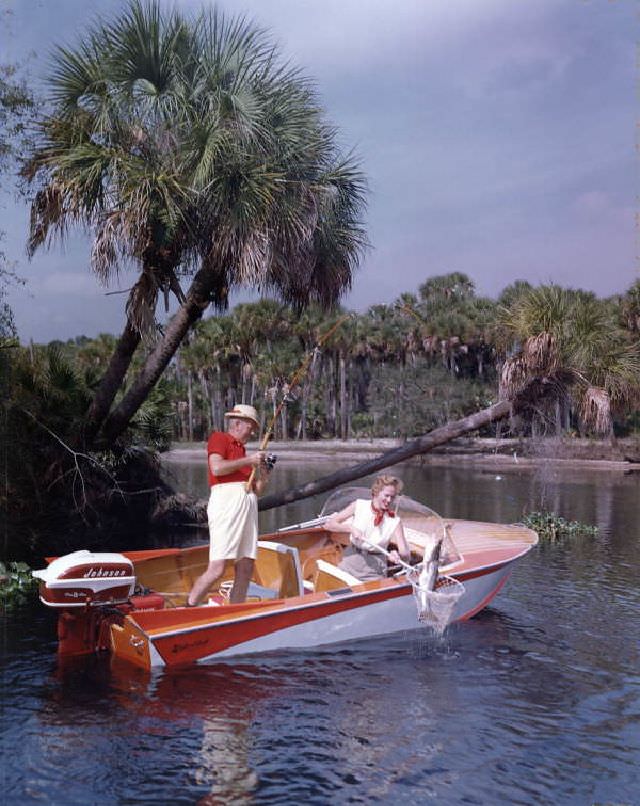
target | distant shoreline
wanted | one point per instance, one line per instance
(504, 454)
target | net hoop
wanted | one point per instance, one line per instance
(435, 607)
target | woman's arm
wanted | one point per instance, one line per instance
(404, 552)
(343, 522)
(340, 521)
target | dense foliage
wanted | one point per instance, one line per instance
(403, 369)
(16, 585)
(48, 483)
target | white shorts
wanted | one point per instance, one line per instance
(232, 513)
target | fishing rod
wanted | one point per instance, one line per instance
(413, 313)
(376, 548)
(427, 568)
(305, 524)
(295, 381)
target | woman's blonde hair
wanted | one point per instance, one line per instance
(386, 481)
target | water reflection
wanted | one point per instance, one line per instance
(218, 705)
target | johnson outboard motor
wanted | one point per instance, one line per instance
(84, 579)
(91, 592)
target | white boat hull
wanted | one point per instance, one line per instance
(391, 615)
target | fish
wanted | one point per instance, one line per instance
(429, 572)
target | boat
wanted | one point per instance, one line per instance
(133, 604)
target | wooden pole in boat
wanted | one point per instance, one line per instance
(295, 381)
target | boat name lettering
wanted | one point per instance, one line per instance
(190, 644)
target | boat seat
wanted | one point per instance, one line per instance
(331, 553)
(175, 574)
(330, 577)
(278, 568)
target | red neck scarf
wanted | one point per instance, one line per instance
(378, 514)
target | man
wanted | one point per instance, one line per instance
(233, 509)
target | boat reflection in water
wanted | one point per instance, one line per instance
(202, 715)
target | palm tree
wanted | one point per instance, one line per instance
(218, 337)
(257, 323)
(279, 209)
(190, 144)
(630, 308)
(307, 330)
(106, 158)
(559, 342)
(567, 345)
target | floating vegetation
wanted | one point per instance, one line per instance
(16, 584)
(550, 526)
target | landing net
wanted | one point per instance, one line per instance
(435, 607)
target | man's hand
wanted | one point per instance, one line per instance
(257, 459)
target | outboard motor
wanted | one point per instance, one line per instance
(85, 579)
(91, 591)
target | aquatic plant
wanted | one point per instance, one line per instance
(16, 584)
(550, 526)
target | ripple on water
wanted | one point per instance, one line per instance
(533, 701)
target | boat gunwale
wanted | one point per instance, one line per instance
(271, 607)
(268, 608)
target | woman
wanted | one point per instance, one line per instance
(370, 524)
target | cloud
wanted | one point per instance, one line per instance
(498, 138)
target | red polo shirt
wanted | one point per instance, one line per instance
(229, 448)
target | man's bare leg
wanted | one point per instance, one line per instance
(244, 569)
(204, 582)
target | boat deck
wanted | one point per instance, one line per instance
(304, 561)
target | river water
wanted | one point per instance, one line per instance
(534, 701)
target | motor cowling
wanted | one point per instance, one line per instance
(84, 578)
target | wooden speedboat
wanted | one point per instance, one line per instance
(133, 604)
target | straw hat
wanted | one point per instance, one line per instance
(242, 412)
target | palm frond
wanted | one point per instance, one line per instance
(596, 409)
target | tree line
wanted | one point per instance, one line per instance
(396, 370)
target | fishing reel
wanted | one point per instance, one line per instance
(270, 460)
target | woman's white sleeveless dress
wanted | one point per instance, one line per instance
(365, 563)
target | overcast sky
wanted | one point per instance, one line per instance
(498, 138)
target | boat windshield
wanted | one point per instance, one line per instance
(422, 525)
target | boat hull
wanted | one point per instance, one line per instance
(307, 622)
(299, 597)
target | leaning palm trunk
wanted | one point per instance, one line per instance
(110, 382)
(188, 314)
(140, 319)
(423, 444)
